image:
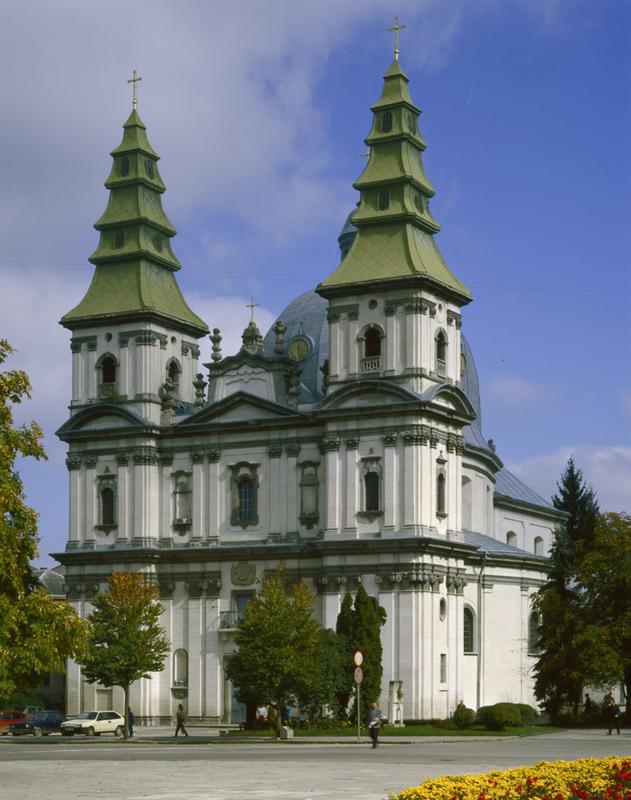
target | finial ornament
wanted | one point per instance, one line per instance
(252, 305)
(366, 153)
(396, 28)
(133, 82)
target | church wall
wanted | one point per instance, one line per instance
(527, 527)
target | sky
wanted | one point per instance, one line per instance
(259, 112)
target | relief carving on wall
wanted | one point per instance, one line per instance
(243, 573)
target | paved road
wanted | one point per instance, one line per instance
(156, 767)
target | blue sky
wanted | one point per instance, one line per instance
(259, 113)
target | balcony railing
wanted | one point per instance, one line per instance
(107, 390)
(228, 620)
(371, 364)
(441, 367)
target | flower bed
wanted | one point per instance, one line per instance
(584, 779)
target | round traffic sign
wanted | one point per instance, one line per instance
(358, 658)
(358, 675)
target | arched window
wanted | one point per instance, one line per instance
(124, 166)
(246, 497)
(441, 506)
(174, 371)
(386, 122)
(371, 487)
(534, 634)
(180, 668)
(511, 538)
(441, 353)
(108, 369)
(107, 506)
(372, 343)
(538, 546)
(468, 630)
(384, 200)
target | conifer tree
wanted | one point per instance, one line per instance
(561, 667)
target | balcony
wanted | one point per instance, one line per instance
(228, 620)
(107, 390)
(371, 364)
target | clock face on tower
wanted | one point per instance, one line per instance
(300, 347)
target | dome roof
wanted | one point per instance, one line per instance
(306, 322)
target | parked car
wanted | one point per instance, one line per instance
(28, 711)
(8, 718)
(94, 723)
(41, 723)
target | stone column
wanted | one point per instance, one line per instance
(411, 480)
(331, 446)
(351, 488)
(274, 454)
(391, 493)
(212, 527)
(73, 462)
(124, 496)
(146, 511)
(91, 377)
(198, 504)
(91, 514)
(77, 369)
(292, 523)
(352, 329)
(390, 356)
(335, 367)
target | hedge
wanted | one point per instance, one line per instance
(585, 779)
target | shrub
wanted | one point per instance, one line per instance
(463, 717)
(528, 713)
(500, 716)
(595, 778)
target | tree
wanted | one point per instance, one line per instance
(278, 646)
(126, 640)
(330, 678)
(361, 628)
(604, 576)
(37, 633)
(344, 629)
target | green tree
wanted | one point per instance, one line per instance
(126, 640)
(604, 576)
(344, 629)
(330, 677)
(37, 633)
(361, 628)
(278, 646)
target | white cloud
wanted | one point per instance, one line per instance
(517, 392)
(606, 468)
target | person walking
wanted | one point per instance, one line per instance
(180, 716)
(130, 722)
(612, 713)
(375, 718)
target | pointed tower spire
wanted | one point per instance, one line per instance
(135, 265)
(395, 236)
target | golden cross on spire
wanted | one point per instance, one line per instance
(396, 28)
(133, 82)
(366, 153)
(252, 306)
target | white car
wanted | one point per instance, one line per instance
(94, 723)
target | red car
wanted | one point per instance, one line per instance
(8, 718)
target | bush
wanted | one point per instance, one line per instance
(586, 777)
(528, 713)
(499, 716)
(463, 716)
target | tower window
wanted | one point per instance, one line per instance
(412, 123)
(467, 631)
(371, 487)
(384, 200)
(441, 353)
(149, 167)
(386, 122)
(124, 166)
(108, 370)
(119, 239)
(441, 506)
(372, 343)
(157, 242)
(107, 506)
(418, 202)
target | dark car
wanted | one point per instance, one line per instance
(8, 718)
(40, 724)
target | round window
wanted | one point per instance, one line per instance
(372, 305)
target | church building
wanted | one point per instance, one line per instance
(345, 444)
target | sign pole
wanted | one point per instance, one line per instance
(358, 677)
(358, 710)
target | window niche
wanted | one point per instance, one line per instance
(107, 501)
(441, 488)
(371, 348)
(309, 493)
(371, 484)
(468, 630)
(441, 353)
(182, 500)
(180, 668)
(173, 373)
(244, 487)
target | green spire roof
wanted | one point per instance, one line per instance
(395, 237)
(135, 265)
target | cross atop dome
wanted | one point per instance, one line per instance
(396, 28)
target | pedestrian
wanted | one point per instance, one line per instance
(130, 721)
(180, 716)
(261, 716)
(588, 706)
(375, 718)
(612, 713)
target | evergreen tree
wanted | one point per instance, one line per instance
(344, 629)
(360, 625)
(37, 633)
(560, 672)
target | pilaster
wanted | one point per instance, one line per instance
(351, 489)
(331, 446)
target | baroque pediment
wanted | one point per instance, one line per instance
(368, 394)
(238, 407)
(101, 417)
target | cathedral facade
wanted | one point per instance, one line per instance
(346, 444)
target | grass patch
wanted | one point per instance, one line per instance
(409, 730)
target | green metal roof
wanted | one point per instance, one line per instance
(134, 261)
(395, 236)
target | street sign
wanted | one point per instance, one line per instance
(358, 675)
(358, 658)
